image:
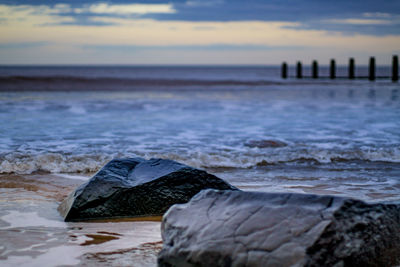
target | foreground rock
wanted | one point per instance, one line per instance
(137, 187)
(236, 228)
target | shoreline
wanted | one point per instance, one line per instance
(32, 231)
(126, 84)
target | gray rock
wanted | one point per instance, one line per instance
(137, 187)
(236, 228)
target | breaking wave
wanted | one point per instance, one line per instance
(19, 163)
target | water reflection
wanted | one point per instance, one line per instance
(350, 93)
(394, 95)
(372, 94)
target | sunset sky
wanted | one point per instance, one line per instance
(197, 31)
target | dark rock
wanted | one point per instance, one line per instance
(236, 228)
(265, 143)
(137, 187)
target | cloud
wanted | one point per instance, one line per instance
(129, 9)
(61, 8)
(360, 21)
(204, 3)
(65, 14)
(368, 19)
(350, 17)
(34, 15)
(377, 15)
(23, 45)
(209, 47)
(179, 31)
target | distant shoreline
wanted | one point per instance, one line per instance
(74, 83)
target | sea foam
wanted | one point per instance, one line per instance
(253, 157)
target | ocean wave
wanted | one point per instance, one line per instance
(89, 163)
(44, 83)
(51, 163)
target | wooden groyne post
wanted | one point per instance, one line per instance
(284, 70)
(352, 67)
(395, 68)
(315, 69)
(371, 75)
(299, 72)
(332, 69)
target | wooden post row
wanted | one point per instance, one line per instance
(351, 69)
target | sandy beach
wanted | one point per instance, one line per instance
(32, 233)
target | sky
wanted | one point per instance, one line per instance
(155, 32)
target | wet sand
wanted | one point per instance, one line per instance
(32, 233)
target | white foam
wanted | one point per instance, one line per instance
(62, 255)
(17, 219)
(52, 163)
(194, 155)
(74, 177)
(75, 109)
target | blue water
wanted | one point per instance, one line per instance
(341, 137)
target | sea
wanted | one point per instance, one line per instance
(60, 124)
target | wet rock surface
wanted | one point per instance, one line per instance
(265, 144)
(137, 187)
(236, 228)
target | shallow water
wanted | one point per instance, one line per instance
(32, 233)
(250, 128)
(357, 137)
